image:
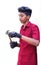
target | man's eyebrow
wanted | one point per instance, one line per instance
(21, 14)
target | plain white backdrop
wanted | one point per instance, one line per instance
(9, 20)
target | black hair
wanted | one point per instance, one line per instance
(25, 10)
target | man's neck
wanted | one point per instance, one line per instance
(25, 23)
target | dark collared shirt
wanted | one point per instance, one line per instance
(28, 53)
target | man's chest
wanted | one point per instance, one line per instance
(26, 32)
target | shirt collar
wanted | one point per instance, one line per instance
(27, 25)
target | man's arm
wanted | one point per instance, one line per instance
(35, 36)
(30, 40)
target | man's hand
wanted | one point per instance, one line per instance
(13, 34)
(13, 44)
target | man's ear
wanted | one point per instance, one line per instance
(28, 17)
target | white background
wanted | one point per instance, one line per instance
(9, 20)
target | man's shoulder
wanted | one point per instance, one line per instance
(33, 25)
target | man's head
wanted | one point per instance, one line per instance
(24, 13)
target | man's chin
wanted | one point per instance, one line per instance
(23, 22)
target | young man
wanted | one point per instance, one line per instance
(29, 38)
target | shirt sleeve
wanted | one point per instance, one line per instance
(35, 32)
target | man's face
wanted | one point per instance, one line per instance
(22, 17)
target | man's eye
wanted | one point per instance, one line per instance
(21, 16)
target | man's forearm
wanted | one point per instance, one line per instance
(30, 40)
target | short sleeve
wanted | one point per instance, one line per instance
(35, 32)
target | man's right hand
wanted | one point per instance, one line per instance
(13, 44)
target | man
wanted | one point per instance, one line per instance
(29, 38)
